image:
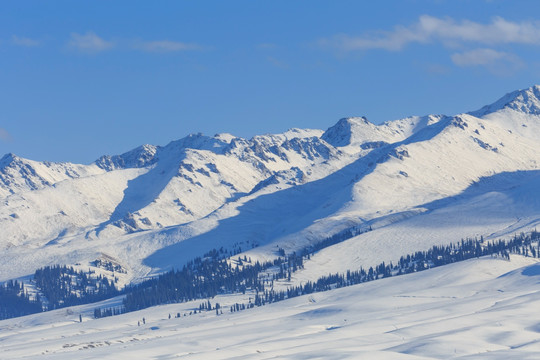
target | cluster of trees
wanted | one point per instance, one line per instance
(15, 301)
(64, 286)
(207, 306)
(60, 286)
(99, 313)
(108, 265)
(199, 279)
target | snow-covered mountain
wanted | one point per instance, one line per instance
(415, 182)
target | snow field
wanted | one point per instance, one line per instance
(474, 309)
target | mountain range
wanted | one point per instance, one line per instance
(413, 182)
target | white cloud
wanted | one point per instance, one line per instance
(445, 30)
(92, 43)
(165, 46)
(24, 41)
(89, 43)
(4, 135)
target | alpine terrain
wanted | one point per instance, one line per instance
(289, 221)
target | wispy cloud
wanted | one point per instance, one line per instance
(165, 46)
(4, 135)
(92, 43)
(482, 57)
(391, 41)
(444, 30)
(498, 62)
(89, 43)
(24, 41)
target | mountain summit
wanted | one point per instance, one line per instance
(349, 130)
(526, 101)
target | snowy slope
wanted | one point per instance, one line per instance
(415, 181)
(19, 175)
(151, 187)
(482, 308)
(495, 207)
(445, 159)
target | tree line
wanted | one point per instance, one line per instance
(215, 273)
(208, 277)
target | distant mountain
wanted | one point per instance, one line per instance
(19, 175)
(415, 182)
(526, 101)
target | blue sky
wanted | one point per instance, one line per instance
(79, 79)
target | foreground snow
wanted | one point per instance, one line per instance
(474, 309)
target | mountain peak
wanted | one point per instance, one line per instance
(526, 101)
(343, 133)
(354, 120)
(7, 159)
(141, 156)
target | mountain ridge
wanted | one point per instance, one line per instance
(524, 100)
(287, 190)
